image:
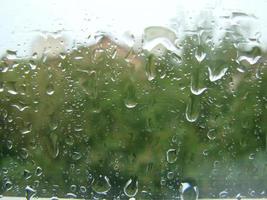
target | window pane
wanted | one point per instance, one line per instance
(133, 99)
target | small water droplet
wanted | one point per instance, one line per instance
(101, 185)
(131, 189)
(171, 155)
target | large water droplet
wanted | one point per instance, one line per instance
(188, 192)
(131, 188)
(171, 155)
(192, 108)
(101, 185)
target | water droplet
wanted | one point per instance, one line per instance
(32, 65)
(171, 155)
(130, 104)
(130, 101)
(9, 144)
(27, 174)
(11, 87)
(30, 192)
(170, 175)
(8, 185)
(50, 89)
(24, 153)
(150, 68)
(76, 156)
(196, 87)
(131, 189)
(211, 134)
(192, 109)
(11, 55)
(39, 171)
(101, 185)
(200, 55)
(247, 61)
(27, 128)
(71, 195)
(216, 74)
(188, 191)
(83, 189)
(223, 194)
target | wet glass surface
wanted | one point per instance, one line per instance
(133, 100)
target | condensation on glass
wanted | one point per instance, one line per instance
(110, 100)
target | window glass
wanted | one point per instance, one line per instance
(133, 99)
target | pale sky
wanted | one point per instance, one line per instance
(21, 21)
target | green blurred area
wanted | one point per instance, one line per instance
(100, 116)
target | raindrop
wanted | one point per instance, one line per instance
(11, 87)
(11, 55)
(130, 100)
(27, 174)
(223, 194)
(192, 109)
(32, 65)
(200, 55)
(131, 189)
(30, 192)
(9, 144)
(247, 61)
(130, 103)
(76, 156)
(8, 185)
(24, 153)
(215, 75)
(27, 128)
(171, 155)
(50, 89)
(188, 191)
(39, 171)
(211, 134)
(71, 195)
(150, 68)
(83, 189)
(195, 86)
(101, 185)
